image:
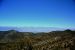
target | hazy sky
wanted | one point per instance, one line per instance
(37, 13)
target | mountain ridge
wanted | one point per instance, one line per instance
(31, 29)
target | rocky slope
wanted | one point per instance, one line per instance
(55, 40)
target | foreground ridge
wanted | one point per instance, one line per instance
(55, 40)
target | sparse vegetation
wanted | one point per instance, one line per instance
(55, 40)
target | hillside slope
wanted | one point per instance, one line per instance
(55, 40)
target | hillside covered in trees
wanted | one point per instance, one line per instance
(55, 40)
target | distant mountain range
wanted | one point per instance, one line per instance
(31, 29)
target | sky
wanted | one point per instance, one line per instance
(37, 13)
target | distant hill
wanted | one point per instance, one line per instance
(31, 29)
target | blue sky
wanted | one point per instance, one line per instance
(37, 13)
